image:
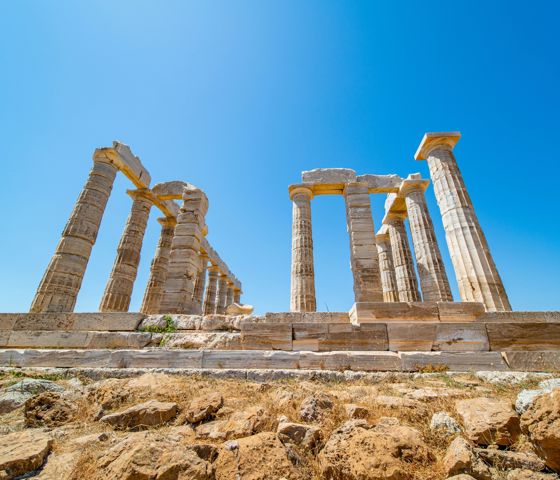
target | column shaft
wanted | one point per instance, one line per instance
(229, 295)
(62, 280)
(407, 285)
(198, 295)
(237, 296)
(221, 296)
(158, 270)
(210, 296)
(364, 259)
(302, 298)
(387, 270)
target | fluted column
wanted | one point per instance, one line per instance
(407, 285)
(158, 269)
(62, 280)
(237, 296)
(229, 294)
(221, 295)
(387, 270)
(431, 270)
(364, 260)
(476, 272)
(210, 296)
(184, 260)
(198, 295)
(302, 298)
(118, 291)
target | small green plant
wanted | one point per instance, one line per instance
(169, 326)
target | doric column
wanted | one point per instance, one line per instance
(237, 296)
(302, 298)
(158, 269)
(229, 294)
(476, 272)
(387, 270)
(431, 270)
(184, 260)
(62, 280)
(198, 295)
(407, 285)
(118, 291)
(210, 296)
(221, 295)
(364, 260)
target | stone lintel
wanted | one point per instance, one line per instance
(381, 183)
(433, 140)
(395, 206)
(171, 190)
(122, 157)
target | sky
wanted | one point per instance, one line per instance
(240, 97)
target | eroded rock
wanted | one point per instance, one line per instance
(143, 415)
(204, 407)
(443, 422)
(313, 407)
(48, 409)
(240, 424)
(460, 458)
(305, 436)
(23, 452)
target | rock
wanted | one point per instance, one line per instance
(208, 340)
(489, 420)
(541, 423)
(461, 476)
(328, 176)
(204, 407)
(301, 435)
(461, 459)
(519, 474)
(509, 378)
(240, 424)
(505, 459)
(355, 411)
(48, 409)
(23, 452)
(237, 309)
(205, 451)
(395, 402)
(441, 421)
(526, 397)
(357, 451)
(313, 407)
(17, 394)
(258, 457)
(149, 414)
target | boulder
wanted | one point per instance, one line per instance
(444, 423)
(461, 476)
(204, 407)
(391, 401)
(48, 409)
(149, 414)
(258, 457)
(313, 407)
(238, 309)
(240, 424)
(205, 451)
(23, 452)
(301, 435)
(358, 451)
(541, 423)
(354, 411)
(525, 398)
(520, 474)
(461, 459)
(507, 460)
(16, 395)
(489, 421)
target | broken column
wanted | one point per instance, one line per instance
(386, 268)
(184, 260)
(476, 272)
(407, 285)
(62, 280)
(302, 298)
(210, 295)
(221, 294)
(229, 294)
(198, 295)
(237, 295)
(118, 291)
(431, 270)
(364, 259)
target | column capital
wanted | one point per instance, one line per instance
(300, 190)
(348, 187)
(214, 269)
(167, 221)
(143, 193)
(433, 140)
(412, 183)
(394, 217)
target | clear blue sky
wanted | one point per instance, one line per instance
(238, 97)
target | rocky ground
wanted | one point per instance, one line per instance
(165, 427)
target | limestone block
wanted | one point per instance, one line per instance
(71, 321)
(357, 361)
(249, 359)
(119, 340)
(407, 336)
(460, 311)
(381, 183)
(55, 358)
(129, 164)
(156, 359)
(48, 339)
(461, 337)
(308, 336)
(120, 321)
(206, 340)
(454, 361)
(255, 336)
(525, 317)
(8, 320)
(523, 336)
(354, 338)
(328, 176)
(536, 361)
(368, 312)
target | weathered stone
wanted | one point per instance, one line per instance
(461, 459)
(520, 474)
(461, 337)
(258, 336)
(22, 453)
(203, 408)
(524, 336)
(506, 460)
(355, 411)
(305, 436)
(443, 422)
(526, 398)
(536, 361)
(408, 336)
(241, 424)
(313, 407)
(48, 409)
(141, 416)
(16, 395)
(329, 176)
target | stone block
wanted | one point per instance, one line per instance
(461, 337)
(454, 361)
(71, 321)
(460, 311)
(356, 361)
(529, 317)
(406, 336)
(355, 338)
(537, 361)
(304, 317)
(381, 183)
(368, 312)
(118, 340)
(308, 336)
(55, 358)
(266, 336)
(523, 336)
(156, 359)
(4, 337)
(111, 322)
(48, 339)
(328, 176)
(249, 359)
(8, 320)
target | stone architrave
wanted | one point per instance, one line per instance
(302, 298)
(198, 295)
(210, 296)
(476, 272)
(184, 260)
(221, 295)
(158, 270)
(386, 268)
(237, 295)
(229, 294)
(118, 291)
(407, 285)
(431, 270)
(62, 280)
(364, 259)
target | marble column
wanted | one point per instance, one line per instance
(387, 270)
(63, 277)
(364, 259)
(302, 298)
(221, 295)
(158, 269)
(407, 285)
(476, 272)
(184, 260)
(210, 296)
(237, 296)
(229, 294)
(431, 270)
(118, 291)
(198, 295)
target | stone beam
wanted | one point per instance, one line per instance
(331, 181)
(130, 165)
